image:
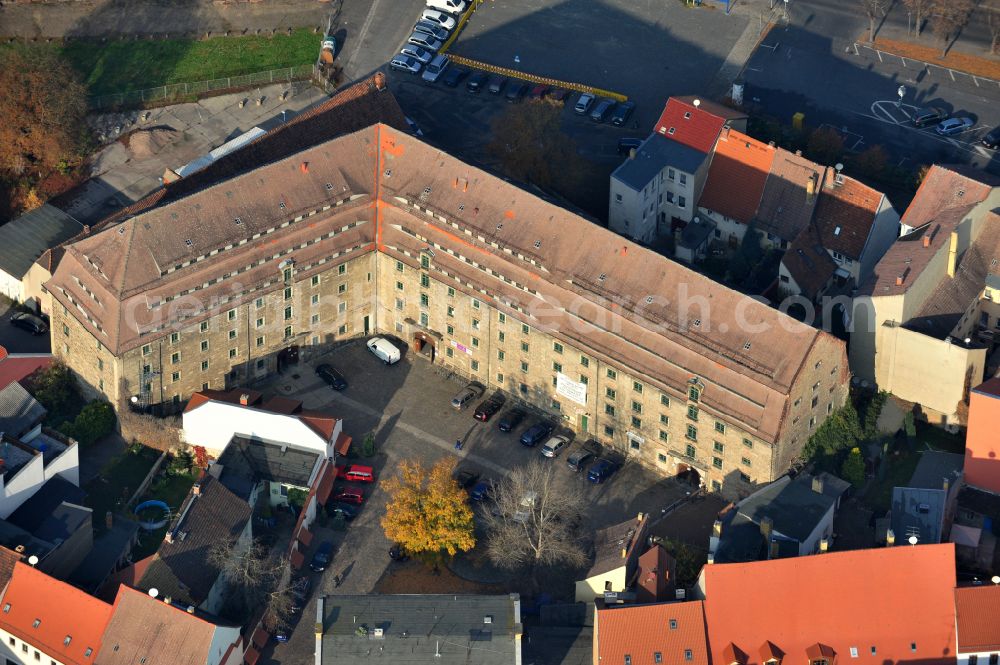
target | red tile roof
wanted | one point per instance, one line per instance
(735, 183)
(63, 613)
(694, 125)
(845, 214)
(18, 367)
(320, 423)
(640, 631)
(978, 609)
(898, 601)
(324, 425)
(343, 445)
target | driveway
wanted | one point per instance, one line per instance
(16, 340)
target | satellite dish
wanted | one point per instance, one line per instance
(995, 579)
(696, 103)
(135, 399)
(838, 166)
(912, 540)
(154, 592)
(32, 560)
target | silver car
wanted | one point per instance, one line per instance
(554, 446)
(405, 63)
(424, 40)
(469, 393)
(439, 18)
(417, 53)
(433, 29)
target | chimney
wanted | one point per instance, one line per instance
(380, 81)
(899, 280)
(773, 550)
(945, 485)
(215, 469)
(711, 558)
(632, 153)
(304, 167)
(196, 489)
(168, 537)
(824, 545)
(811, 185)
(890, 538)
(624, 552)
(245, 399)
(717, 528)
(952, 253)
(766, 527)
(640, 517)
(798, 153)
(927, 240)
(817, 484)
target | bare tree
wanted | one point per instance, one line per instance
(993, 23)
(258, 579)
(920, 9)
(873, 9)
(950, 16)
(536, 519)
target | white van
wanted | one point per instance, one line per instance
(436, 67)
(385, 350)
(450, 6)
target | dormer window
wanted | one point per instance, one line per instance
(673, 624)
(69, 638)
(687, 115)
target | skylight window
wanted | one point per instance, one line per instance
(671, 130)
(36, 623)
(688, 655)
(673, 624)
(6, 608)
(69, 638)
(87, 653)
(746, 347)
(687, 115)
(836, 231)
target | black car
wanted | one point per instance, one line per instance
(515, 91)
(397, 553)
(536, 434)
(627, 145)
(300, 589)
(322, 558)
(602, 110)
(511, 419)
(488, 408)
(601, 471)
(497, 83)
(992, 140)
(344, 510)
(476, 82)
(579, 460)
(466, 479)
(454, 76)
(930, 115)
(332, 377)
(34, 324)
(622, 113)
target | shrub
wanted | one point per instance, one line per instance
(368, 445)
(96, 421)
(853, 469)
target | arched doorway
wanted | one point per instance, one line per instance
(688, 474)
(424, 345)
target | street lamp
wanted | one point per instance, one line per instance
(786, 9)
(902, 93)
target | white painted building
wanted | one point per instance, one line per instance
(24, 239)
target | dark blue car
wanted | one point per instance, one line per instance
(536, 433)
(482, 491)
(601, 471)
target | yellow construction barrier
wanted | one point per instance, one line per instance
(461, 23)
(534, 78)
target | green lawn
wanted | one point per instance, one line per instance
(121, 66)
(118, 480)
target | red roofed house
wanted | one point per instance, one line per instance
(44, 620)
(653, 192)
(863, 607)
(668, 633)
(19, 366)
(977, 609)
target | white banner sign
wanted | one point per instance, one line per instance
(571, 389)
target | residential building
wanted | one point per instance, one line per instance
(421, 629)
(982, 447)
(616, 557)
(660, 633)
(654, 191)
(866, 606)
(976, 610)
(787, 518)
(213, 417)
(24, 240)
(376, 231)
(656, 576)
(19, 366)
(806, 268)
(925, 507)
(923, 322)
(972, 531)
(52, 525)
(788, 200)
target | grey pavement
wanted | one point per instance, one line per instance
(16, 340)
(95, 457)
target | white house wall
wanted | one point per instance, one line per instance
(222, 639)
(11, 287)
(214, 424)
(884, 232)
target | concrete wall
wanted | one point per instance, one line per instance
(32, 286)
(638, 214)
(222, 639)
(593, 587)
(824, 529)
(982, 445)
(214, 424)
(884, 232)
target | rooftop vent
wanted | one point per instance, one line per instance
(697, 322)
(188, 242)
(687, 115)
(538, 244)
(461, 207)
(121, 230)
(388, 173)
(671, 131)
(602, 277)
(488, 619)
(499, 226)
(746, 346)
(239, 220)
(281, 204)
(649, 300)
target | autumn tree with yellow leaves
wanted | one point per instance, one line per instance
(428, 513)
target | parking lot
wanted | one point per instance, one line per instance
(16, 340)
(407, 406)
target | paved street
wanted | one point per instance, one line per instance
(16, 340)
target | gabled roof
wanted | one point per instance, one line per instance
(694, 122)
(147, 630)
(846, 214)
(808, 262)
(7, 560)
(736, 178)
(181, 570)
(786, 204)
(321, 423)
(655, 154)
(70, 623)
(899, 600)
(641, 631)
(19, 411)
(613, 545)
(19, 366)
(25, 239)
(977, 609)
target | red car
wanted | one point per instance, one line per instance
(350, 495)
(359, 474)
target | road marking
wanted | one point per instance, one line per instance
(364, 31)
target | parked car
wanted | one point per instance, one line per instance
(416, 53)
(300, 589)
(536, 434)
(601, 470)
(385, 350)
(454, 76)
(436, 67)
(539, 91)
(332, 377)
(438, 18)
(992, 140)
(953, 126)
(482, 491)
(432, 29)
(357, 473)
(511, 419)
(602, 110)
(424, 40)
(36, 325)
(928, 115)
(350, 495)
(627, 144)
(476, 82)
(490, 406)
(554, 446)
(583, 103)
(467, 394)
(515, 91)
(398, 553)
(622, 113)
(348, 512)
(321, 559)
(496, 84)
(466, 479)
(450, 6)
(559, 95)
(405, 63)
(579, 459)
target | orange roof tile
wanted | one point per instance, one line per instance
(70, 623)
(978, 627)
(640, 631)
(696, 126)
(735, 183)
(896, 601)
(845, 214)
(320, 423)
(343, 444)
